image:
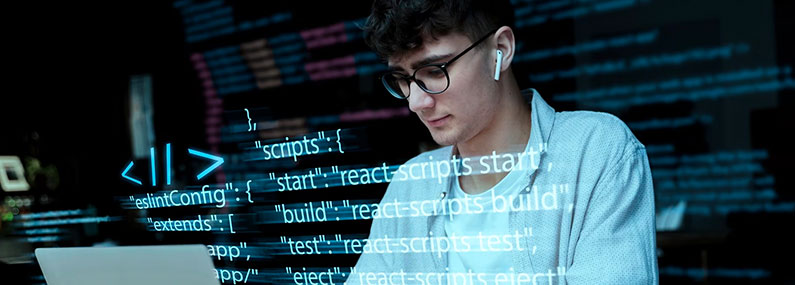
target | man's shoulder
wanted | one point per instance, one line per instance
(601, 139)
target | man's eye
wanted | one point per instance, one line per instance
(435, 72)
(399, 76)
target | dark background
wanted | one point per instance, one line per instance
(65, 103)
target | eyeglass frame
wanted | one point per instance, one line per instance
(443, 66)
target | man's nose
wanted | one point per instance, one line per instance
(419, 99)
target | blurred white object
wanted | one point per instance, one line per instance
(12, 174)
(670, 218)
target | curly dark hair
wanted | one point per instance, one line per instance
(396, 26)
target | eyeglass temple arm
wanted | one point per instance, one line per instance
(470, 47)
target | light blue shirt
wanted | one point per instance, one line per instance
(603, 231)
(487, 220)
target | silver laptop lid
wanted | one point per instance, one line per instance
(127, 265)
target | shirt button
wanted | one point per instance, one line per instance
(443, 194)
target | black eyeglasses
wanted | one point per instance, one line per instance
(431, 78)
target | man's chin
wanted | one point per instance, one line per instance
(444, 137)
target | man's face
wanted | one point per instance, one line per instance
(467, 106)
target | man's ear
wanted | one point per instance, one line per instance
(507, 44)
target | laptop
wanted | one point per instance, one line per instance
(127, 265)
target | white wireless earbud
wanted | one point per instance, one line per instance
(499, 65)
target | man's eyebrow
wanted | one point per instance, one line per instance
(427, 60)
(430, 59)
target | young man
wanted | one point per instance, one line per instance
(529, 194)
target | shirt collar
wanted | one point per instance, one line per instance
(543, 118)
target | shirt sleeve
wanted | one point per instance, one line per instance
(376, 262)
(617, 244)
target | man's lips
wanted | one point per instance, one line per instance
(438, 121)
